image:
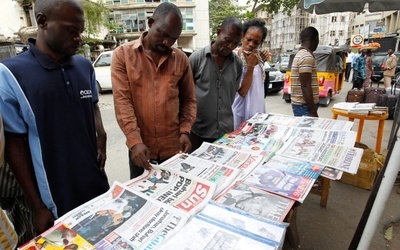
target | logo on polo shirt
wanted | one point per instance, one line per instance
(85, 93)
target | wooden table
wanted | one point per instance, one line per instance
(380, 118)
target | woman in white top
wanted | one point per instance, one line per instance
(250, 97)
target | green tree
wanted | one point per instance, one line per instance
(219, 10)
(273, 6)
(96, 17)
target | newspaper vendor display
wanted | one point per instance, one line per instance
(253, 188)
(125, 215)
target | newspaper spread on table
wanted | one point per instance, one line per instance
(221, 175)
(181, 190)
(218, 227)
(284, 132)
(256, 201)
(281, 182)
(343, 158)
(238, 159)
(124, 217)
(254, 145)
(301, 121)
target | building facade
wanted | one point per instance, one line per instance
(130, 17)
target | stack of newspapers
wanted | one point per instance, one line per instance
(234, 193)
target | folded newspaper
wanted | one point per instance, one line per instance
(221, 175)
(218, 227)
(256, 201)
(186, 192)
(236, 159)
(120, 217)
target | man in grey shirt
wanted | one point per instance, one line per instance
(217, 74)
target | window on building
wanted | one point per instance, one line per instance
(341, 32)
(313, 20)
(342, 19)
(332, 33)
(334, 19)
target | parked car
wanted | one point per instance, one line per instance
(273, 82)
(284, 64)
(377, 60)
(103, 71)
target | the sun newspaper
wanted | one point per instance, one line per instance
(186, 192)
(123, 217)
(220, 227)
(221, 175)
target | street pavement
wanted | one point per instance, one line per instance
(319, 228)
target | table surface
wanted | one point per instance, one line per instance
(357, 116)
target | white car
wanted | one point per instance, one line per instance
(273, 83)
(103, 71)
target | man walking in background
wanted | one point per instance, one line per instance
(389, 69)
(304, 82)
(349, 62)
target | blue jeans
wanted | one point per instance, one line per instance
(302, 110)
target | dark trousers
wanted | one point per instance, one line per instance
(358, 83)
(197, 141)
(348, 70)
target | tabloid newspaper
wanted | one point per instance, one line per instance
(254, 145)
(59, 237)
(183, 191)
(256, 201)
(237, 159)
(303, 121)
(219, 227)
(284, 133)
(294, 166)
(124, 217)
(221, 175)
(280, 182)
(343, 158)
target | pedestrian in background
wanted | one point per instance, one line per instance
(217, 74)
(356, 55)
(55, 140)
(153, 90)
(349, 60)
(368, 69)
(389, 69)
(304, 82)
(359, 71)
(249, 98)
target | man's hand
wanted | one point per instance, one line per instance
(141, 155)
(186, 145)
(43, 219)
(102, 150)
